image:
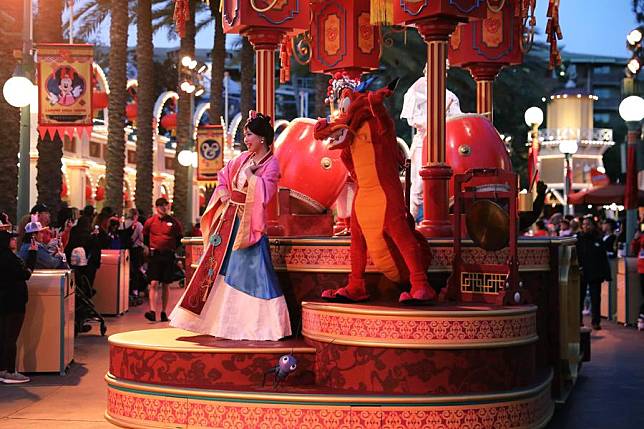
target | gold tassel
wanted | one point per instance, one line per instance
(382, 12)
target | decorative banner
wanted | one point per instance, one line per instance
(64, 89)
(210, 151)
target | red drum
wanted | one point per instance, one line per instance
(473, 142)
(314, 174)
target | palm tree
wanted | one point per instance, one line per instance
(218, 57)
(145, 135)
(246, 80)
(115, 159)
(49, 178)
(184, 121)
(9, 135)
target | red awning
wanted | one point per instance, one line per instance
(613, 193)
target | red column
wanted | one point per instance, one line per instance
(266, 41)
(484, 75)
(435, 172)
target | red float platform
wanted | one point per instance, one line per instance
(359, 366)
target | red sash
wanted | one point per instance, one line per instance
(204, 277)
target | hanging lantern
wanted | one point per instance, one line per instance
(100, 100)
(100, 193)
(169, 121)
(131, 111)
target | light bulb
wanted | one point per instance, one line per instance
(18, 91)
(186, 61)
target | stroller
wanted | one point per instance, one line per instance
(85, 309)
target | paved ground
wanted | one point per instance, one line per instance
(609, 393)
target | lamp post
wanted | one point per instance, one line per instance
(568, 148)
(19, 92)
(188, 158)
(631, 109)
(533, 118)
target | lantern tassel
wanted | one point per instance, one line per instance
(382, 12)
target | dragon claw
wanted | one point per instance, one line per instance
(423, 296)
(342, 295)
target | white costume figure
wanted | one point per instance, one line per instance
(415, 111)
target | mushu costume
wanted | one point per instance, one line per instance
(234, 292)
(380, 222)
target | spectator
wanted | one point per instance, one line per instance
(81, 236)
(35, 231)
(574, 227)
(637, 246)
(564, 228)
(163, 234)
(13, 300)
(610, 238)
(134, 230)
(540, 229)
(594, 268)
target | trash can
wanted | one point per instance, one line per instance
(112, 283)
(46, 342)
(628, 291)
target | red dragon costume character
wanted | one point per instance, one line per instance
(380, 221)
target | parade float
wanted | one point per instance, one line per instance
(499, 346)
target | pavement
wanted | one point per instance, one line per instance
(608, 392)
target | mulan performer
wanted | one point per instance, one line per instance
(234, 292)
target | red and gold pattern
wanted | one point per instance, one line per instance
(444, 328)
(136, 405)
(174, 357)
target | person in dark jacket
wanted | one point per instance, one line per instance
(13, 301)
(593, 265)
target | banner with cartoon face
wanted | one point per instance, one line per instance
(64, 89)
(210, 151)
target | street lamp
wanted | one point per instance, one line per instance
(568, 148)
(533, 118)
(18, 91)
(631, 109)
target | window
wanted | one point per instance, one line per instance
(605, 93)
(131, 157)
(94, 149)
(602, 118)
(69, 144)
(169, 163)
(601, 69)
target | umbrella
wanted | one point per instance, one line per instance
(613, 193)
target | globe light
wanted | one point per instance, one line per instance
(634, 37)
(18, 91)
(186, 61)
(533, 116)
(185, 86)
(185, 157)
(631, 109)
(633, 65)
(195, 159)
(568, 147)
(192, 64)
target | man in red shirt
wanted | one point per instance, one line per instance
(162, 233)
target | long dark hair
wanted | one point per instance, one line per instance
(261, 125)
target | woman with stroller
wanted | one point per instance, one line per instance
(13, 301)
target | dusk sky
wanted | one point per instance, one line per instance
(589, 26)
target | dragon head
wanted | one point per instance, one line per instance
(355, 106)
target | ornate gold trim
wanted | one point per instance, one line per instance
(349, 399)
(115, 340)
(363, 309)
(424, 345)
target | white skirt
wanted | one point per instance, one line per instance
(229, 313)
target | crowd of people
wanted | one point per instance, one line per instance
(75, 241)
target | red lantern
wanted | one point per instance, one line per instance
(100, 193)
(346, 40)
(169, 121)
(131, 111)
(88, 191)
(63, 188)
(100, 100)
(285, 15)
